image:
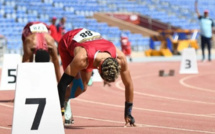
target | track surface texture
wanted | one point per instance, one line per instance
(179, 104)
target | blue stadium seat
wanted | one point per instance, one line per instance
(79, 14)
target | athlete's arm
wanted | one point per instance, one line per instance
(129, 89)
(125, 75)
(196, 8)
(54, 56)
(27, 50)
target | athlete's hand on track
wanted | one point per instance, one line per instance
(129, 119)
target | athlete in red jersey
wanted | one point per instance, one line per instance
(82, 50)
(37, 40)
(53, 30)
(126, 46)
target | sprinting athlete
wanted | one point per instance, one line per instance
(82, 50)
(38, 42)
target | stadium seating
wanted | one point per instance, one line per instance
(14, 14)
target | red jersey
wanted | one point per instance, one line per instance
(54, 33)
(39, 28)
(86, 39)
(125, 45)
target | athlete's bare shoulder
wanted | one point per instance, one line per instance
(50, 41)
(30, 41)
(120, 54)
(48, 37)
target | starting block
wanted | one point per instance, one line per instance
(37, 107)
(163, 74)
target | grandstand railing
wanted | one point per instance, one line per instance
(153, 24)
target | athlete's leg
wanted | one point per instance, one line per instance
(68, 113)
(73, 90)
(80, 84)
(209, 48)
(68, 116)
(86, 75)
(91, 80)
(76, 85)
(203, 47)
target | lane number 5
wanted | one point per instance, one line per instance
(12, 75)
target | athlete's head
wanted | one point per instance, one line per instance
(53, 20)
(206, 13)
(109, 69)
(42, 56)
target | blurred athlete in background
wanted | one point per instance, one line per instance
(53, 30)
(61, 29)
(126, 46)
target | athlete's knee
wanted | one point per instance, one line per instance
(80, 91)
(84, 88)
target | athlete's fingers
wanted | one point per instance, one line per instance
(132, 125)
(126, 121)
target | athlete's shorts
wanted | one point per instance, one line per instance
(66, 58)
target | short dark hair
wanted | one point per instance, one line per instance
(110, 69)
(42, 56)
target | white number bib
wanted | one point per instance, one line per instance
(85, 34)
(38, 28)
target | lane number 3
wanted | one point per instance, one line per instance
(188, 64)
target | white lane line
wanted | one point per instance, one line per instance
(145, 109)
(141, 125)
(1, 127)
(137, 108)
(212, 114)
(117, 84)
(194, 87)
(147, 126)
(2, 104)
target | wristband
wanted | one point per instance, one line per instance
(128, 108)
(62, 85)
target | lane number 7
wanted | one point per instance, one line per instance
(41, 105)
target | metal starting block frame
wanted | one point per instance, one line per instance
(163, 74)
